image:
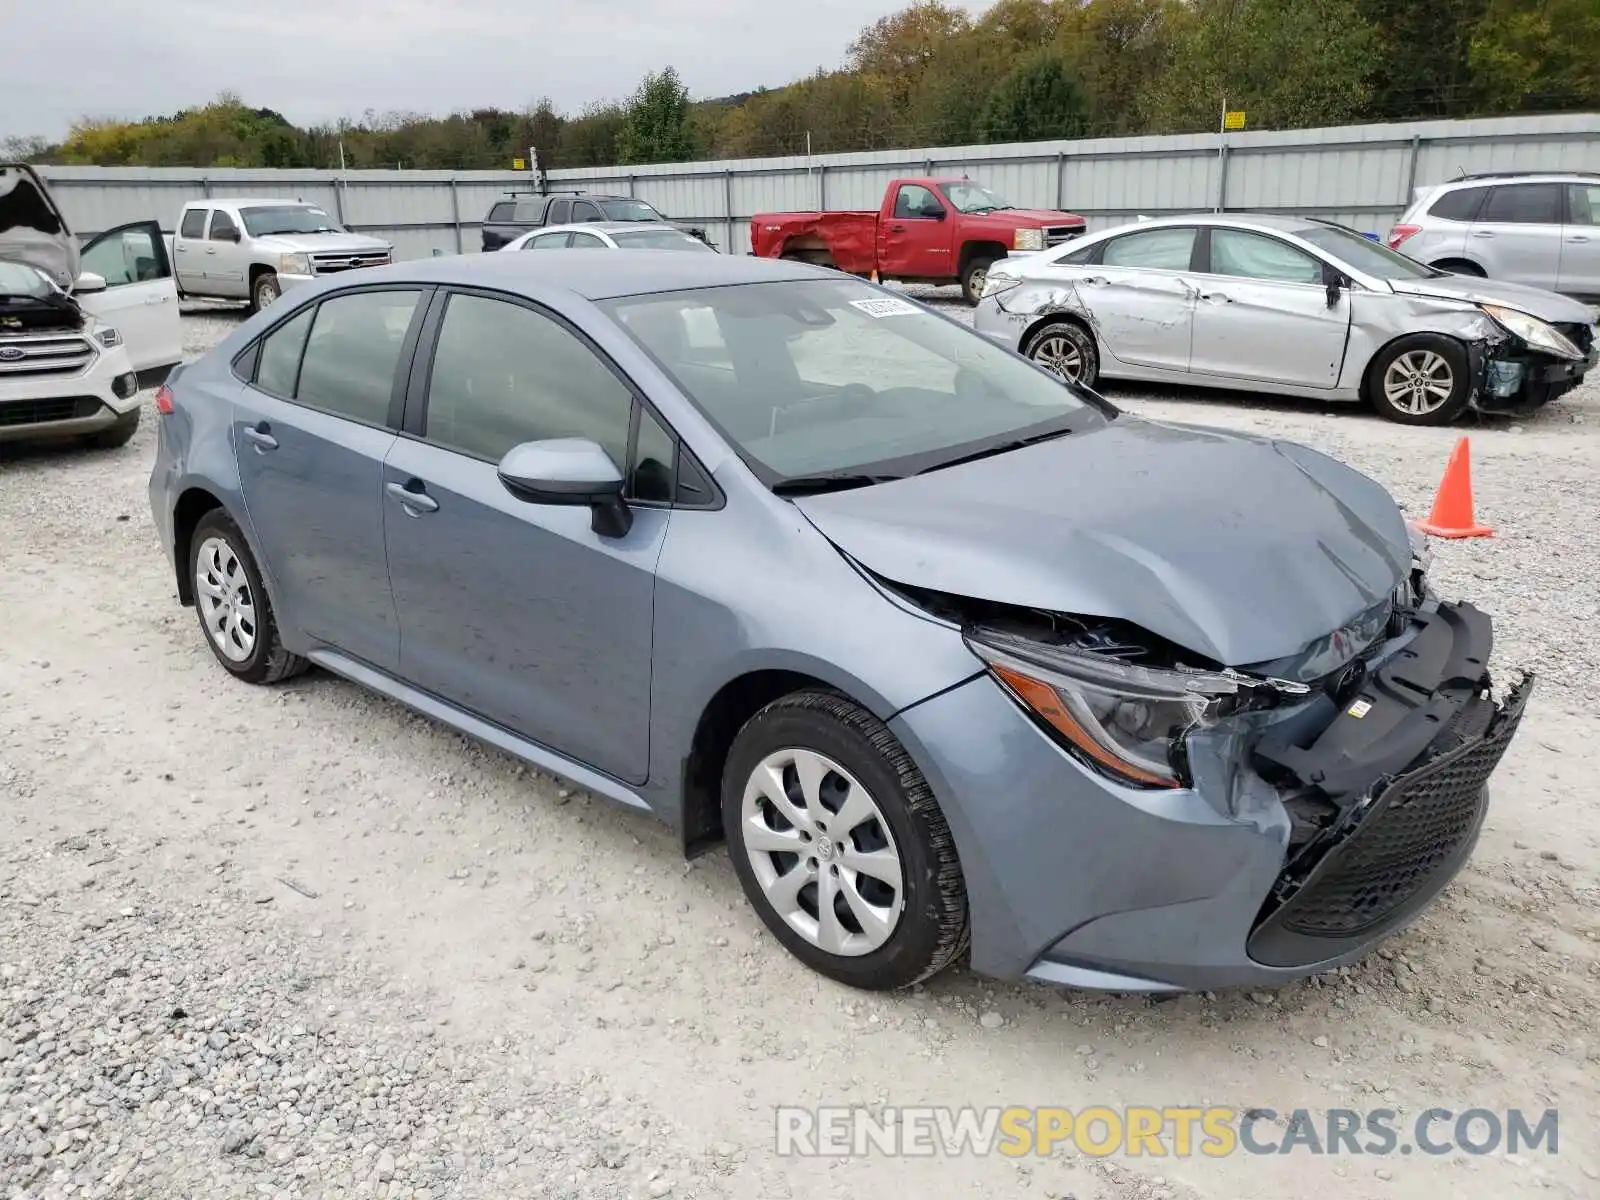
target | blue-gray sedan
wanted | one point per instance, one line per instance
(957, 659)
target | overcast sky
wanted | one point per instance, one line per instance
(318, 60)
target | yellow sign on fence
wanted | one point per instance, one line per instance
(519, 164)
(1233, 120)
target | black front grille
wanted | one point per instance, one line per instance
(1056, 235)
(333, 263)
(1415, 828)
(42, 412)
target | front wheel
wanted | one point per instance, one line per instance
(974, 277)
(264, 291)
(840, 845)
(1420, 380)
(1067, 349)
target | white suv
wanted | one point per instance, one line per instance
(77, 345)
(1539, 228)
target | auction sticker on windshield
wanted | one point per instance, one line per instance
(885, 308)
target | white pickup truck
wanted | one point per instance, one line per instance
(253, 249)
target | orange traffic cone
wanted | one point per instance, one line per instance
(874, 274)
(1452, 508)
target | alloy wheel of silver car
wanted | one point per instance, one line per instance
(822, 852)
(1057, 353)
(1419, 382)
(227, 605)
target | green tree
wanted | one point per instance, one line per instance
(1036, 101)
(655, 125)
(1537, 55)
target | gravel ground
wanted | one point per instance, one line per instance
(299, 942)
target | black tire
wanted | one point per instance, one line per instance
(264, 290)
(973, 275)
(1459, 266)
(931, 930)
(119, 434)
(1059, 344)
(267, 661)
(1420, 346)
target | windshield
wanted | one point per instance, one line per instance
(19, 279)
(628, 210)
(970, 198)
(1364, 254)
(657, 239)
(830, 376)
(287, 218)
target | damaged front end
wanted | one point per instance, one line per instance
(1520, 363)
(1376, 745)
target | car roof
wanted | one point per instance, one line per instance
(607, 227)
(1244, 220)
(1487, 178)
(594, 276)
(249, 202)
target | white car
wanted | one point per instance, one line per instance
(81, 330)
(608, 235)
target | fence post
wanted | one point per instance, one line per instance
(822, 187)
(338, 202)
(1411, 171)
(1061, 181)
(631, 193)
(727, 206)
(1222, 178)
(455, 213)
(205, 186)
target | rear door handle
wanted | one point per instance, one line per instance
(1096, 280)
(1216, 298)
(412, 498)
(261, 435)
(1483, 233)
(1578, 237)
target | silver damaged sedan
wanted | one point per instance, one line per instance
(961, 664)
(1288, 305)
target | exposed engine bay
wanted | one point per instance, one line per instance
(30, 303)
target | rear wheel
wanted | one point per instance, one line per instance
(1420, 380)
(1067, 349)
(234, 609)
(840, 845)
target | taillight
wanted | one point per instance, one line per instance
(1400, 233)
(164, 400)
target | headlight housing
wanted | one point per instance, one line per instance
(1028, 239)
(1535, 332)
(294, 264)
(107, 336)
(994, 284)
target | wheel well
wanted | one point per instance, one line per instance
(1054, 319)
(192, 505)
(257, 271)
(972, 250)
(1447, 264)
(1371, 368)
(733, 705)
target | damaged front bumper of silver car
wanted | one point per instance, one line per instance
(1526, 362)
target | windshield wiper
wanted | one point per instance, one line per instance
(832, 481)
(1004, 447)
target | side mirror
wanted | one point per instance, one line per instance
(569, 471)
(89, 282)
(1334, 281)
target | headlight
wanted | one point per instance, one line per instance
(1028, 239)
(294, 264)
(1126, 721)
(1533, 331)
(107, 337)
(994, 284)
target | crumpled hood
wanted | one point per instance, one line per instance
(1240, 549)
(1547, 306)
(1039, 216)
(32, 229)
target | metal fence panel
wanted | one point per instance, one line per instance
(1361, 175)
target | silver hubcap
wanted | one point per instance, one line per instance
(1418, 382)
(266, 293)
(822, 852)
(979, 278)
(1060, 355)
(227, 605)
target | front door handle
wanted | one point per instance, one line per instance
(1578, 237)
(1216, 298)
(1096, 281)
(897, 229)
(1483, 233)
(261, 435)
(412, 498)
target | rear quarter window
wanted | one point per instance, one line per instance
(1458, 205)
(194, 223)
(502, 211)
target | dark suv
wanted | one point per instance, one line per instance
(522, 211)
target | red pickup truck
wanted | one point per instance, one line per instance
(927, 231)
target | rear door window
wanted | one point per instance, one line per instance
(1458, 205)
(529, 212)
(1523, 204)
(194, 223)
(560, 212)
(582, 210)
(1583, 204)
(1152, 250)
(348, 367)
